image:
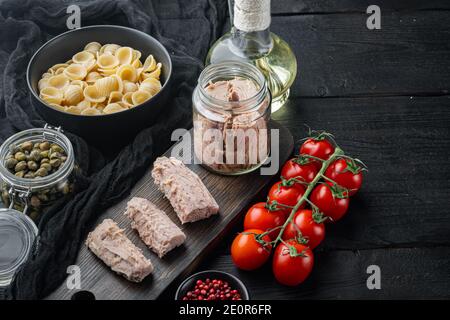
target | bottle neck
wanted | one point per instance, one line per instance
(250, 35)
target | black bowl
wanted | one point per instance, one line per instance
(110, 130)
(234, 282)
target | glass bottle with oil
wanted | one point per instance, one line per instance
(250, 40)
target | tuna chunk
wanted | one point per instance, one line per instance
(186, 192)
(155, 228)
(110, 244)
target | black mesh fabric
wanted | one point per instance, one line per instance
(185, 28)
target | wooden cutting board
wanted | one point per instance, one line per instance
(233, 194)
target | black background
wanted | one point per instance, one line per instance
(385, 95)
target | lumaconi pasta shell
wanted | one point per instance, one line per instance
(150, 85)
(57, 66)
(107, 85)
(140, 96)
(51, 95)
(79, 83)
(137, 64)
(91, 94)
(107, 72)
(60, 70)
(127, 99)
(43, 83)
(73, 110)
(113, 108)
(92, 77)
(83, 105)
(101, 79)
(115, 96)
(107, 61)
(83, 57)
(73, 94)
(93, 47)
(109, 48)
(90, 65)
(59, 81)
(75, 71)
(129, 86)
(127, 72)
(124, 55)
(154, 74)
(91, 112)
(149, 64)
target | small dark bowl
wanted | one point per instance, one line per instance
(103, 131)
(234, 282)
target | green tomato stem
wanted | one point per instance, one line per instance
(337, 153)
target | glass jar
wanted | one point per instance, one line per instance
(33, 195)
(231, 113)
(18, 235)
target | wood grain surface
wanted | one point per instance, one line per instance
(385, 95)
(233, 194)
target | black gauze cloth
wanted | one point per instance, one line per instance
(185, 28)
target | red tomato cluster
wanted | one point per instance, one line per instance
(269, 225)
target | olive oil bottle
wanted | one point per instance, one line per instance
(250, 40)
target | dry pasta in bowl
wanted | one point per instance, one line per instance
(101, 79)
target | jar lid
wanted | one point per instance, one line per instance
(17, 235)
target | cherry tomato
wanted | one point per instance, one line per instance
(329, 204)
(260, 217)
(292, 270)
(346, 174)
(247, 253)
(311, 228)
(299, 168)
(286, 195)
(319, 148)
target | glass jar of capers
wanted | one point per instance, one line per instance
(36, 169)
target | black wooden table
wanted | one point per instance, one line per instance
(385, 95)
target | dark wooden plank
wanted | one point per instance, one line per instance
(406, 144)
(346, 6)
(338, 56)
(406, 273)
(403, 203)
(233, 194)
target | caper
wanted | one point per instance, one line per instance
(32, 165)
(34, 214)
(14, 149)
(20, 156)
(63, 158)
(41, 172)
(22, 165)
(57, 148)
(27, 146)
(44, 146)
(29, 175)
(55, 155)
(9, 156)
(35, 155)
(20, 174)
(55, 163)
(66, 189)
(43, 197)
(36, 145)
(44, 154)
(35, 202)
(11, 163)
(46, 166)
(45, 160)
